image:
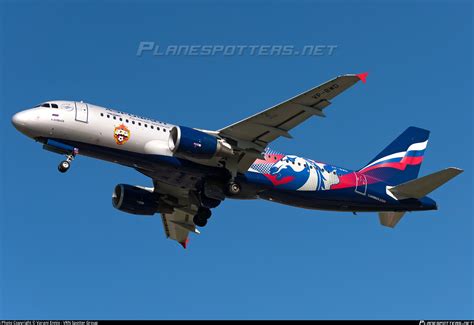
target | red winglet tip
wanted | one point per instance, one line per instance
(185, 243)
(363, 76)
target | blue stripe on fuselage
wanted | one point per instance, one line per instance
(338, 199)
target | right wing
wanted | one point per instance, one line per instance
(266, 126)
(254, 133)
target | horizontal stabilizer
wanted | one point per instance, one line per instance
(391, 218)
(422, 186)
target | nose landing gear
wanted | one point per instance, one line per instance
(65, 164)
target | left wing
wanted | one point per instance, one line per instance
(179, 204)
(178, 225)
(178, 222)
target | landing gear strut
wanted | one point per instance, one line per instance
(233, 188)
(65, 164)
(201, 217)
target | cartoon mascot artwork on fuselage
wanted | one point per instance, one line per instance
(296, 173)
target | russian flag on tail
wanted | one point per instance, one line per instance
(400, 161)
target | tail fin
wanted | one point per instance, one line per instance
(400, 161)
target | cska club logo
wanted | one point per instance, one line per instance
(121, 134)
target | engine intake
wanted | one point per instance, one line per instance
(135, 200)
(196, 144)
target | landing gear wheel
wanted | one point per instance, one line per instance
(199, 220)
(64, 166)
(233, 188)
(209, 203)
(204, 213)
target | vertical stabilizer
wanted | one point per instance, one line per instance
(400, 161)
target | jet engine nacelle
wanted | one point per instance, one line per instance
(197, 144)
(135, 200)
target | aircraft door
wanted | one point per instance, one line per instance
(361, 184)
(82, 112)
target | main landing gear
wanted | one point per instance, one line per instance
(201, 217)
(65, 164)
(233, 188)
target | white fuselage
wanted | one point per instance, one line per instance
(96, 125)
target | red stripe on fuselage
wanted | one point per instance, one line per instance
(276, 182)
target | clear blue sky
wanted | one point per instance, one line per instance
(67, 253)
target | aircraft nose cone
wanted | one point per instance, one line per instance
(20, 121)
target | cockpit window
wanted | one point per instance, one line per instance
(47, 105)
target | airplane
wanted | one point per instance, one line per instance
(193, 170)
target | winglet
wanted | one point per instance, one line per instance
(363, 76)
(185, 243)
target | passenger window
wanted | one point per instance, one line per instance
(139, 123)
(120, 119)
(101, 114)
(108, 116)
(146, 125)
(152, 127)
(133, 122)
(126, 120)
